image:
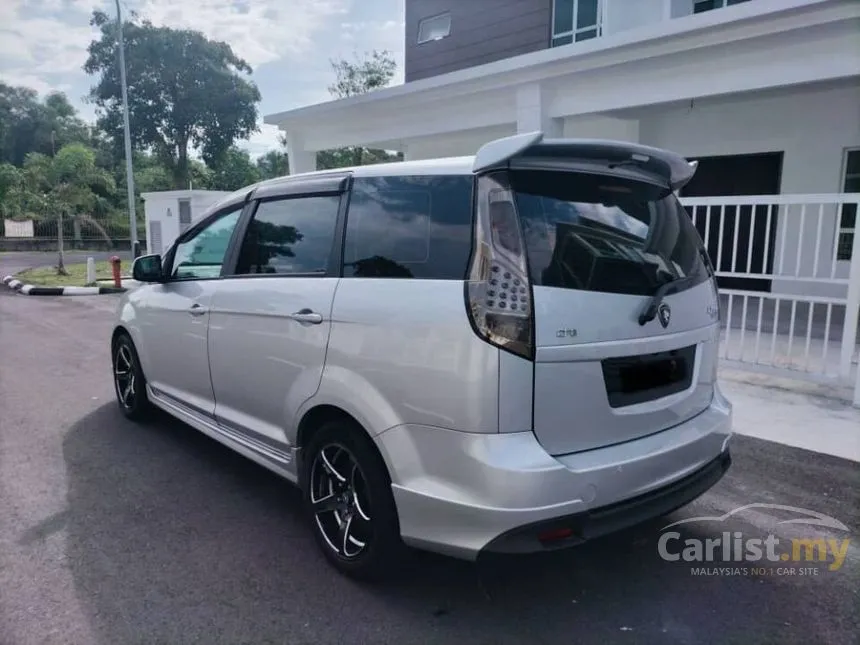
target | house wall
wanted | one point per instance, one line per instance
(811, 127)
(482, 31)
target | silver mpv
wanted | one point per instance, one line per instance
(505, 353)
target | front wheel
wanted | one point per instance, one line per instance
(128, 379)
(348, 495)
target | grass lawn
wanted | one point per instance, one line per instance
(47, 276)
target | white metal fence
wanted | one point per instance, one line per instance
(789, 290)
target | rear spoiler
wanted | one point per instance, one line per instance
(501, 153)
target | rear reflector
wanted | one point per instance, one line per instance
(554, 535)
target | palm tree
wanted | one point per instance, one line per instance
(68, 185)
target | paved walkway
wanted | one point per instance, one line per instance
(792, 413)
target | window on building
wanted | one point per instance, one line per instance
(848, 216)
(434, 28)
(700, 6)
(575, 20)
(409, 227)
(290, 236)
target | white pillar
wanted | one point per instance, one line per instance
(301, 160)
(533, 111)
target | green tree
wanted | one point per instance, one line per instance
(30, 125)
(12, 191)
(359, 76)
(185, 92)
(69, 184)
(273, 164)
(233, 170)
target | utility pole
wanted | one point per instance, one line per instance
(129, 173)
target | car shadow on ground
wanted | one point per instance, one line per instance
(172, 538)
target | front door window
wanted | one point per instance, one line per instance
(202, 255)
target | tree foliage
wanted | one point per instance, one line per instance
(374, 71)
(185, 92)
(30, 125)
(234, 169)
(362, 75)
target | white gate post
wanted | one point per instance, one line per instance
(852, 312)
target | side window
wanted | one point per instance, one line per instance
(409, 227)
(202, 255)
(289, 236)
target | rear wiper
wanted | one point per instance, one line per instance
(650, 312)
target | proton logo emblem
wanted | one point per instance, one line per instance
(664, 314)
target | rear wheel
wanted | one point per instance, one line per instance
(129, 381)
(348, 495)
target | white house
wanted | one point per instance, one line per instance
(169, 213)
(764, 93)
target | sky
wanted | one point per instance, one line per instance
(289, 43)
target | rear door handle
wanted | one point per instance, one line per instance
(306, 316)
(197, 310)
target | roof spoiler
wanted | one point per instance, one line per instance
(670, 166)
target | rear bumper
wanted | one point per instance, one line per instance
(463, 494)
(575, 529)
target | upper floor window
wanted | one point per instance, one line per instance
(434, 28)
(848, 216)
(409, 227)
(575, 20)
(700, 6)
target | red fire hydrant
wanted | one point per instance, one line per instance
(115, 263)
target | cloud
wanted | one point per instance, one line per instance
(43, 41)
(260, 31)
(289, 43)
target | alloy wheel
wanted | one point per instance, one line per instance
(124, 376)
(339, 501)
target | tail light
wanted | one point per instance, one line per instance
(498, 291)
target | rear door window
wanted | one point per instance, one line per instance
(409, 227)
(291, 236)
(601, 233)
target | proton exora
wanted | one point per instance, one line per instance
(508, 353)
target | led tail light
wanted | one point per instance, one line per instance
(498, 291)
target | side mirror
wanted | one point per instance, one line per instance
(147, 268)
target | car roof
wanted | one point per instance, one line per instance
(496, 152)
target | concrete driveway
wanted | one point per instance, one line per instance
(112, 533)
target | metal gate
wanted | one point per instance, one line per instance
(807, 324)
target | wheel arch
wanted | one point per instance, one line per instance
(324, 413)
(118, 331)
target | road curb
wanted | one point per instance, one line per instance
(32, 290)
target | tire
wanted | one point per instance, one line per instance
(356, 500)
(133, 401)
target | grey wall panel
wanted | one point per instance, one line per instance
(482, 31)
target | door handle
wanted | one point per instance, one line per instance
(306, 316)
(197, 310)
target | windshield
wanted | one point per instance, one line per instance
(601, 233)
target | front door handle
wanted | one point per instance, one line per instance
(197, 310)
(306, 316)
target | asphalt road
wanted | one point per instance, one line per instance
(112, 533)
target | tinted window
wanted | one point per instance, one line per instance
(290, 236)
(598, 233)
(202, 255)
(409, 227)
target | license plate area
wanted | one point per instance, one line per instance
(636, 379)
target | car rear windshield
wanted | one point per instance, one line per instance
(601, 233)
